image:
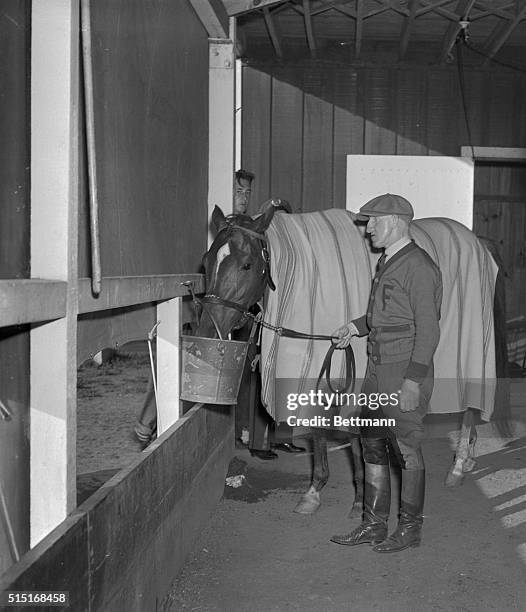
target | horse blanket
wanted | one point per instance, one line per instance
(323, 266)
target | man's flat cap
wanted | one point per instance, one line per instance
(386, 204)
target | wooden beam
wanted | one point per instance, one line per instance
(320, 6)
(463, 10)
(55, 28)
(408, 26)
(238, 7)
(495, 153)
(358, 28)
(31, 301)
(308, 28)
(122, 291)
(213, 16)
(272, 32)
(436, 7)
(503, 34)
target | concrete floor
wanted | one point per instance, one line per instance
(257, 555)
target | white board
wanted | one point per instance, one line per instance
(436, 186)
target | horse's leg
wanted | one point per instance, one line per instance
(358, 477)
(146, 424)
(464, 461)
(310, 501)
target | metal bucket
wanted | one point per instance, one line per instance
(212, 369)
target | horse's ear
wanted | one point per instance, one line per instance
(263, 221)
(218, 219)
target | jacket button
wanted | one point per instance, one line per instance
(375, 358)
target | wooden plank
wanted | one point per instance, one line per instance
(287, 138)
(495, 153)
(238, 7)
(31, 301)
(221, 79)
(213, 16)
(54, 252)
(119, 292)
(380, 137)
(309, 28)
(358, 37)
(348, 126)
(503, 34)
(410, 94)
(255, 137)
(442, 112)
(273, 33)
(317, 152)
(407, 28)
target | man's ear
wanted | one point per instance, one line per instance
(218, 219)
(264, 220)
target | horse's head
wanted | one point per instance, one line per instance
(236, 271)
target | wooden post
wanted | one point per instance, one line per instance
(54, 229)
(168, 363)
(221, 125)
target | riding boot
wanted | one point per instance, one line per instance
(408, 532)
(377, 502)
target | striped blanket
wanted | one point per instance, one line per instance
(322, 267)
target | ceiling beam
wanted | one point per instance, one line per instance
(436, 7)
(408, 26)
(213, 16)
(238, 7)
(358, 28)
(307, 18)
(273, 33)
(503, 34)
(463, 10)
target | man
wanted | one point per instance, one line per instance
(242, 191)
(402, 321)
(251, 416)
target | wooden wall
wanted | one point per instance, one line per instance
(122, 548)
(15, 35)
(300, 119)
(150, 62)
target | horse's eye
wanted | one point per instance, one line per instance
(247, 266)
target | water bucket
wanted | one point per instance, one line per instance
(212, 369)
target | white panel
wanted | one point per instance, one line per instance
(168, 363)
(436, 186)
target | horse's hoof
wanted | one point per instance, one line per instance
(455, 476)
(356, 511)
(469, 465)
(309, 503)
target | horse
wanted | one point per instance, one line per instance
(236, 269)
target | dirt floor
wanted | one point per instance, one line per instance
(258, 555)
(109, 398)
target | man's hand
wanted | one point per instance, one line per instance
(409, 395)
(342, 336)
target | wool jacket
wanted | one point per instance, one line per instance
(403, 313)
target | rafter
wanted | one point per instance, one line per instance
(308, 28)
(238, 7)
(318, 7)
(213, 16)
(501, 36)
(408, 26)
(463, 10)
(436, 7)
(273, 33)
(358, 28)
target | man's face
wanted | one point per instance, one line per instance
(382, 230)
(242, 192)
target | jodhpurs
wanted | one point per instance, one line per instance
(406, 435)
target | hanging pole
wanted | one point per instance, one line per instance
(85, 20)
